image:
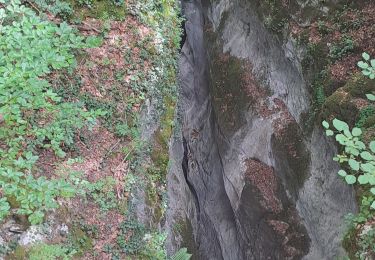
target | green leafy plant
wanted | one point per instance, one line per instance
(50, 252)
(181, 254)
(55, 7)
(339, 50)
(359, 158)
(368, 68)
(34, 116)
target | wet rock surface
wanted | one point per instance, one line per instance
(244, 175)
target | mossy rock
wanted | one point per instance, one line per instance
(349, 243)
(20, 253)
(359, 86)
(339, 105)
(80, 241)
(103, 9)
(184, 228)
(368, 135)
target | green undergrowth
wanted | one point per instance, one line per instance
(357, 159)
(38, 113)
(78, 10)
(34, 117)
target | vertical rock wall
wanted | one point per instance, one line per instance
(246, 182)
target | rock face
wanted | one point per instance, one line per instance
(246, 182)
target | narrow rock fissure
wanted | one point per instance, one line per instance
(250, 192)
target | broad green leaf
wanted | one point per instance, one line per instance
(372, 146)
(365, 56)
(370, 97)
(367, 167)
(366, 72)
(340, 125)
(341, 139)
(356, 131)
(351, 150)
(373, 191)
(373, 205)
(363, 179)
(354, 164)
(348, 134)
(325, 124)
(360, 145)
(362, 65)
(329, 132)
(350, 179)
(342, 173)
(366, 156)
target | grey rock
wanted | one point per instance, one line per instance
(15, 228)
(211, 182)
(32, 236)
(63, 229)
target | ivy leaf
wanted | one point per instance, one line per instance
(357, 131)
(350, 179)
(342, 173)
(340, 125)
(354, 164)
(373, 205)
(373, 191)
(370, 97)
(325, 124)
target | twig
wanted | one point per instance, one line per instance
(88, 27)
(33, 6)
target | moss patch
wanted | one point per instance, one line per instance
(98, 9)
(184, 228)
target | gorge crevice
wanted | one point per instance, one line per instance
(245, 175)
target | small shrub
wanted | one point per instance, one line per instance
(368, 66)
(358, 157)
(338, 51)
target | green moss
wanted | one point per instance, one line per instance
(359, 85)
(349, 242)
(229, 97)
(80, 241)
(184, 228)
(49, 252)
(339, 105)
(366, 117)
(160, 152)
(99, 9)
(273, 14)
(316, 58)
(20, 253)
